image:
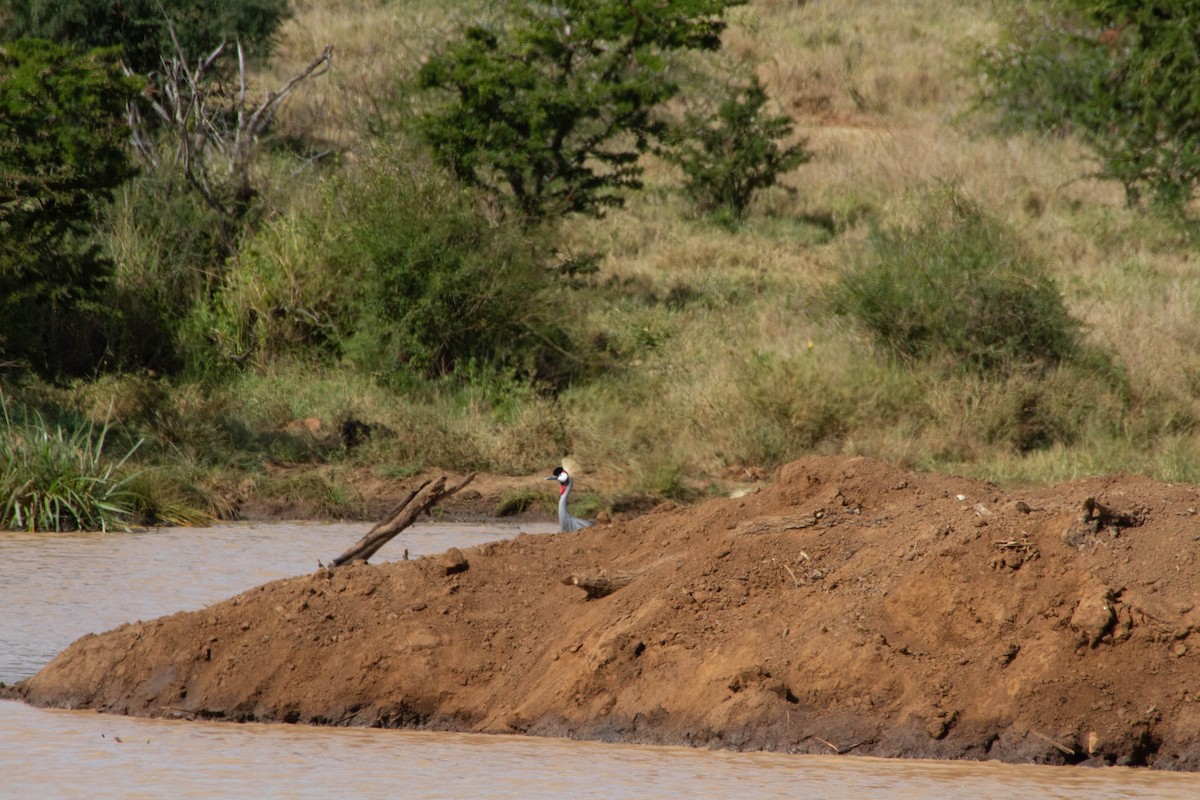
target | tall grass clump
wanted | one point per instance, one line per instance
(958, 287)
(54, 480)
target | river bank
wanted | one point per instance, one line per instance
(845, 607)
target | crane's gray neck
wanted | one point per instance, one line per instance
(563, 514)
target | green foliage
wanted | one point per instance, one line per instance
(140, 26)
(1123, 74)
(788, 406)
(727, 157)
(62, 154)
(554, 110)
(443, 287)
(1041, 72)
(167, 246)
(961, 287)
(1035, 412)
(398, 270)
(52, 480)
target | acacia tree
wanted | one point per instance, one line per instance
(1123, 74)
(553, 110)
(62, 153)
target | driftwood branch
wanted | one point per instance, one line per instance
(423, 498)
(599, 585)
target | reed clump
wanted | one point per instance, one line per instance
(52, 479)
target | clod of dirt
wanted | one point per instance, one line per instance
(1094, 615)
(849, 606)
(453, 561)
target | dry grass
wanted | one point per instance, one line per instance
(377, 45)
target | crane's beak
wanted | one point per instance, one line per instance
(552, 478)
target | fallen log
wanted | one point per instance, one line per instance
(423, 498)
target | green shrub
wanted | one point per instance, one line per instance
(1121, 74)
(1042, 71)
(961, 287)
(140, 26)
(1036, 412)
(285, 296)
(62, 154)
(729, 155)
(792, 406)
(167, 247)
(398, 270)
(442, 287)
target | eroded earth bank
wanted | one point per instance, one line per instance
(846, 606)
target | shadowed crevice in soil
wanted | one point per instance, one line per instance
(849, 607)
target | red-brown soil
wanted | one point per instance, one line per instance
(848, 606)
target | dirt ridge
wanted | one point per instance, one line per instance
(850, 606)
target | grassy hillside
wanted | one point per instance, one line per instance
(713, 349)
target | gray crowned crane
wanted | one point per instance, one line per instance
(566, 522)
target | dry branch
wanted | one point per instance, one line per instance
(192, 105)
(423, 498)
(599, 585)
(1056, 745)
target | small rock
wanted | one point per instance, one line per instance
(940, 725)
(453, 561)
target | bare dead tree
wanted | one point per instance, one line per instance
(192, 104)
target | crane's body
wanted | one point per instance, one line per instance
(567, 523)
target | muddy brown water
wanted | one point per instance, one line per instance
(55, 588)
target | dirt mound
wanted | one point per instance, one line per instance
(847, 607)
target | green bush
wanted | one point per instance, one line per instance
(961, 287)
(62, 154)
(167, 247)
(442, 286)
(1042, 71)
(1122, 74)
(729, 155)
(140, 26)
(1036, 412)
(399, 270)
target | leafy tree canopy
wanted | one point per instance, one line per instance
(140, 26)
(553, 110)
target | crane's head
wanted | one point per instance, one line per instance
(562, 477)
